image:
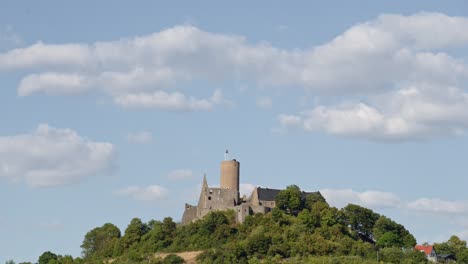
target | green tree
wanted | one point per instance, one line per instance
(100, 241)
(290, 200)
(134, 232)
(395, 234)
(462, 256)
(313, 198)
(173, 259)
(414, 257)
(452, 246)
(46, 257)
(391, 255)
(361, 220)
(10, 261)
(258, 244)
(389, 239)
(212, 221)
(310, 220)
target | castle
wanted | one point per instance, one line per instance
(227, 196)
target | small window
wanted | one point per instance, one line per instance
(211, 191)
(209, 197)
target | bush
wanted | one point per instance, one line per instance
(173, 259)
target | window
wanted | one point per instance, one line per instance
(209, 197)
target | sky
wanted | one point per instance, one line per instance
(112, 110)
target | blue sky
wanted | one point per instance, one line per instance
(112, 110)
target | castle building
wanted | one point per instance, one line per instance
(227, 196)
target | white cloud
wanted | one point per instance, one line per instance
(369, 55)
(140, 137)
(168, 101)
(438, 206)
(53, 83)
(372, 199)
(393, 57)
(148, 193)
(265, 102)
(416, 111)
(180, 174)
(51, 156)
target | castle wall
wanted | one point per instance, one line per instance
(216, 199)
(190, 214)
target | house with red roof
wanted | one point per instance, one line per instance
(428, 250)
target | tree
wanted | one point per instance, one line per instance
(361, 220)
(462, 256)
(173, 259)
(456, 244)
(212, 221)
(313, 198)
(67, 259)
(290, 200)
(10, 261)
(134, 232)
(389, 239)
(389, 233)
(46, 257)
(100, 241)
(452, 246)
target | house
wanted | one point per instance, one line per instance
(428, 250)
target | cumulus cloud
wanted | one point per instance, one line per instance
(140, 193)
(417, 111)
(53, 83)
(51, 156)
(438, 206)
(180, 174)
(370, 70)
(406, 91)
(141, 137)
(379, 199)
(168, 101)
(371, 198)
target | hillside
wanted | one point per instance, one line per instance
(298, 230)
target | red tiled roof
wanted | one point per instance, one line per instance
(426, 249)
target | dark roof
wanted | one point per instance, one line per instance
(267, 194)
(446, 256)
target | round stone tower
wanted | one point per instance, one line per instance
(230, 174)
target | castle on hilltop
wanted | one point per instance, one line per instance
(227, 196)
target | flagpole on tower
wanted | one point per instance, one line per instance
(226, 155)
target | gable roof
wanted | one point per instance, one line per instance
(426, 249)
(267, 194)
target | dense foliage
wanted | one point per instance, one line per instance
(299, 230)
